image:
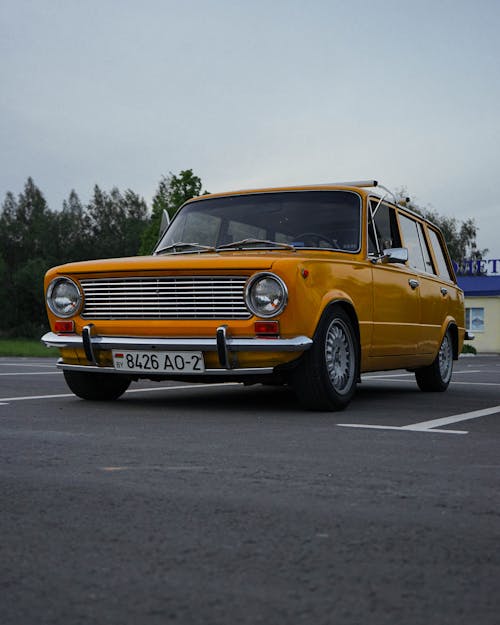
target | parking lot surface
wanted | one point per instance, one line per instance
(230, 504)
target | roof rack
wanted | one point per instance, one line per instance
(357, 183)
(368, 183)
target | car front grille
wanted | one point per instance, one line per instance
(198, 297)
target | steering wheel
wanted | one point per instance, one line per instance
(316, 235)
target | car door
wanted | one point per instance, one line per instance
(396, 297)
(396, 306)
(433, 296)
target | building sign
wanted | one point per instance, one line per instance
(473, 267)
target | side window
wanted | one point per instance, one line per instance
(411, 238)
(418, 251)
(444, 272)
(429, 267)
(383, 231)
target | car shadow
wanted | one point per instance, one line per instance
(258, 398)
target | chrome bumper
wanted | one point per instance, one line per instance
(221, 343)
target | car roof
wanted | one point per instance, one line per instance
(370, 188)
(308, 187)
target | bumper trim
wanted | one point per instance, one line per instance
(222, 349)
(87, 343)
(295, 344)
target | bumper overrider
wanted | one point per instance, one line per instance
(221, 343)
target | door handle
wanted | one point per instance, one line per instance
(413, 283)
(444, 291)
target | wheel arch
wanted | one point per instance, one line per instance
(349, 309)
(453, 329)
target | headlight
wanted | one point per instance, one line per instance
(266, 295)
(63, 297)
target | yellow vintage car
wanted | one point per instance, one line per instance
(308, 286)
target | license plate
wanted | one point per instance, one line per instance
(159, 362)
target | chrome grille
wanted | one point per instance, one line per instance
(213, 297)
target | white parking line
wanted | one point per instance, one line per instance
(3, 400)
(476, 383)
(412, 381)
(432, 425)
(32, 373)
(465, 416)
(26, 364)
(27, 397)
(383, 376)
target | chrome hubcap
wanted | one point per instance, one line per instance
(445, 359)
(339, 354)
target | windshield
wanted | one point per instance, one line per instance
(297, 219)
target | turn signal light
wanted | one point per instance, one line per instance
(64, 326)
(267, 328)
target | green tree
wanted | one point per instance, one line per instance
(116, 223)
(10, 236)
(73, 231)
(460, 236)
(27, 225)
(135, 222)
(172, 192)
(28, 249)
(34, 238)
(104, 215)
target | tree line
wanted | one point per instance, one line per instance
(34, 237)
(460, 235)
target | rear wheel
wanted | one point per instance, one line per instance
(436, 377)
(327, 375)
(96, 386)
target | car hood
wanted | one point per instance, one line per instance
(176, 262)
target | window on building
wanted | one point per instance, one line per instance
(474, 319)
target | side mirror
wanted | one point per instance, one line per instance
(165, 221)
(395, 255)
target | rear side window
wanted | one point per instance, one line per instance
(414, 239)
(425, 250)
(439, 253)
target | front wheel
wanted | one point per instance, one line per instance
(326, 377)
(96, 386)
(436, 377)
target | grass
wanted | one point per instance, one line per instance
(469, 349)
(26, 348)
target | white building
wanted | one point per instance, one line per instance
(482, 310)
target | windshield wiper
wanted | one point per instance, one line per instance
(246, 243)
(185, 248)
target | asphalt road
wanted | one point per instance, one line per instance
(231, 505)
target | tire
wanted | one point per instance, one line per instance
(328, 372)
(436, 377)
(96, 386)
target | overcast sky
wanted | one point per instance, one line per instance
(119, 93)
